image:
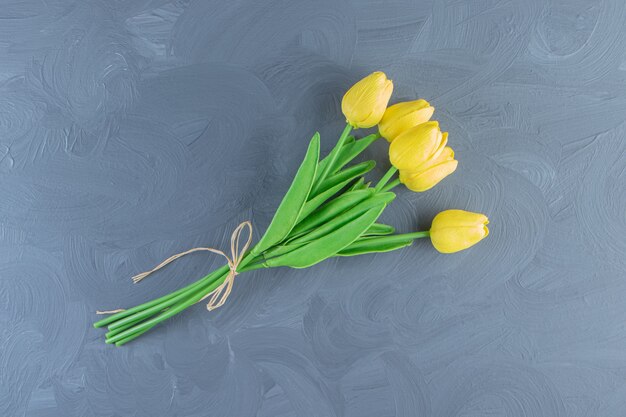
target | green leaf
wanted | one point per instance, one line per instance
(358, 185)
(378, 229)
(330, 226)
(348, 173)
(345, 217)
(363, 186)
(321, 198)
(282, 249)
(327, 246)
(348, 153)
(350, 150)
(322, 171)
(290, 207)
(373, 245)
(331, 209)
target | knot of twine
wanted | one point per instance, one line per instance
(220, 294)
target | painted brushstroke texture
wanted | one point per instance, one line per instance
(130, 130)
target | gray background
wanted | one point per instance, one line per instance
(133, 130)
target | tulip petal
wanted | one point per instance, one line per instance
(415, 146)
(459, 218)
(455, 239)
(443, 141)
(455, 230)
(403, 116)
(447, 154)
(380, 104)
(427, 179)
(365, 102)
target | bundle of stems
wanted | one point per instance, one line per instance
(329, 210)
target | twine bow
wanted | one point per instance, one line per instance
(221, 293)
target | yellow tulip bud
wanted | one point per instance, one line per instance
(455, 230)
(431, 172)
(365, 102)
(416, 146)
(403, 116)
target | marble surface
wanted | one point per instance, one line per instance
(130, 130)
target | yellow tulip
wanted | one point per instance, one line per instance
(365, 102)
(403, 116)
(431, 172)
(417, 146)
(455, 230)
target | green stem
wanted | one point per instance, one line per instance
(405, 236)
(332, 157)
(253, 267)
(131, 337)
(390, 172)
(393, 184)
(146, 312)
(117, 316)
(120, 329)
(148, 324)
(122, 333)
(132, 315)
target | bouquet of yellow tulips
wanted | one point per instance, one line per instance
(330, 209)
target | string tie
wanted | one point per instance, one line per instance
(220, 294)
